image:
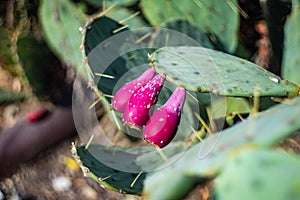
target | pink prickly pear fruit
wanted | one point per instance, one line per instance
(162, 126)
(137, 112)
(121, 98)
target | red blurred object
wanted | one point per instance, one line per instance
(37, 115)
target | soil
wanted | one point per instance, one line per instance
(34, 179)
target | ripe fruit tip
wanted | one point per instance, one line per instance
(161, 128)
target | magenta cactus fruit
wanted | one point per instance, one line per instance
(162, 126)
(121, 98)
(137, 112)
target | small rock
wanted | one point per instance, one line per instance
(16, 85)
(89, 193)
(61, 183)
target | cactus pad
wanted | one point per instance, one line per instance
(184, 27)
(211, 16)
(291, 62)
(60, 21)
(107, 176)
(120, 13)
(254, 174)
(207, 158)
(99, 31)
(205, 70)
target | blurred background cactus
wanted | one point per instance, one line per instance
(237, 63)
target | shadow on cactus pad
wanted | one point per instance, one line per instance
(106, 176)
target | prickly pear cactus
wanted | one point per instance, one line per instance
(96, 31)
(153, 161)
(185, 27)
(107, 176)
(256, 173)
(101, 3)
(235, 106)
(60, 21)
(197, 70)
(212, 16)
(142, 159)
(205, 70)
(207, 158)
(291, 60)
(121, 13)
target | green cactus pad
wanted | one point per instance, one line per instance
(207, 158)
(60, 22)
(260, 174)
(211, 16)
(184, 27)
(233, 106)
(205, 70)
(107, 176)
(291, 59)
(101, 3)
(153, 160)
(100, 30)
(121, 13)
(39, 65)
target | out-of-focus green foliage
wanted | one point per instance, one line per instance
(291, 58)
(212, 16)
(120, 14)
(61, 20)
(101, 3)
(255, 173)
(6, 56)
(42, 69)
